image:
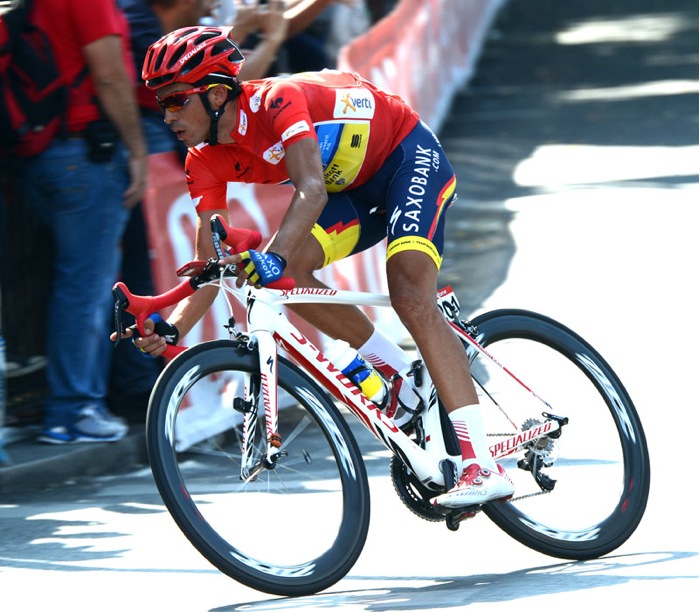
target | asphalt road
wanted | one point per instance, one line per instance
(569, 98)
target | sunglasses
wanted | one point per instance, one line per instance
(178, 100)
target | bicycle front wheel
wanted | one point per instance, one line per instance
(298, 526)
(598, 469)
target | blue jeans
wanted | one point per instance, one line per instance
(81, 202)
(159, 137)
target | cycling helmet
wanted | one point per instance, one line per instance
(198, 55)
(192, 55)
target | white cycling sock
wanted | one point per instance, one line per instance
(469, 426)
(384, 354)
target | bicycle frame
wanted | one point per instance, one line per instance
(268, 328)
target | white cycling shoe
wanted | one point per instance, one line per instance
(477, 486)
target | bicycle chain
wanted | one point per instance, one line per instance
(513, 499)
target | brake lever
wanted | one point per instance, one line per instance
(121, 303)
(218, 234)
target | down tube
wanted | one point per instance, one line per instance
(425, 464)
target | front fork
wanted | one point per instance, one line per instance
(260, 390)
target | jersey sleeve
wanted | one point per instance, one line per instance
(287, 110)
(102, 19)
(207, 189)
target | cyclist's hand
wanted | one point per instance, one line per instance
(262, 268)
(158, 334)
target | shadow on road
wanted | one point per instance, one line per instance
(456, 592)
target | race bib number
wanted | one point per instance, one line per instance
(448, 303)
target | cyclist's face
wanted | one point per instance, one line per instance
(184, 113)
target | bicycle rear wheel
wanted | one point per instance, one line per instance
(294, 530)
(600, 462)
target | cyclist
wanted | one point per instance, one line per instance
(364, 168)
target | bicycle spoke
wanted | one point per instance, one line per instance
(300, 522)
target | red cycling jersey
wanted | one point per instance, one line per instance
(356, 125)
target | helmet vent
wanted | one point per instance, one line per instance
(175, 56)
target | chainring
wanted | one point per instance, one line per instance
(415, 496)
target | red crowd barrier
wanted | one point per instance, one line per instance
(424, 51)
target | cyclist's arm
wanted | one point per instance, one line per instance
(303, 160)
(190, 310)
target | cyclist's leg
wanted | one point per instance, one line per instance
(420, 192)
(412, 278)
(422, 189)
(325, 245)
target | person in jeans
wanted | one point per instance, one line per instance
(364, 169)
(83, 186)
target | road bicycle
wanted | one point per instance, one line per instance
(277, 497)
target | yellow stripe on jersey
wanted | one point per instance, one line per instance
(414, 243)
(348, 155)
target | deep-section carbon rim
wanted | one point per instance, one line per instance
(600, 462)
(296, 529)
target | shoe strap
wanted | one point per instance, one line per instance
(414, 370)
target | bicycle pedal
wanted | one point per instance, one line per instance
(456, 516)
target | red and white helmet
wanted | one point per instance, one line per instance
(191, 55)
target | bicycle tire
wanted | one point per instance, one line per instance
(258, 532)
(600, 462)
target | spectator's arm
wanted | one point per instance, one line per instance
(117, 98)
(245, 22)
(301, 14)
(273, 32)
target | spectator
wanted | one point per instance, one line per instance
(378, 9)
(349, 19)
(307, 49)
(307, 31)
(83, 186)
(132, 377)
(271, 29)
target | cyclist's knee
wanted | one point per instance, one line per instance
(305, 262)
(412, 303)
(412, 278)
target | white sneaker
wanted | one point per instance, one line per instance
(477, 486)
(95, 424)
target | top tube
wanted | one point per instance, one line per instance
(313, 295)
